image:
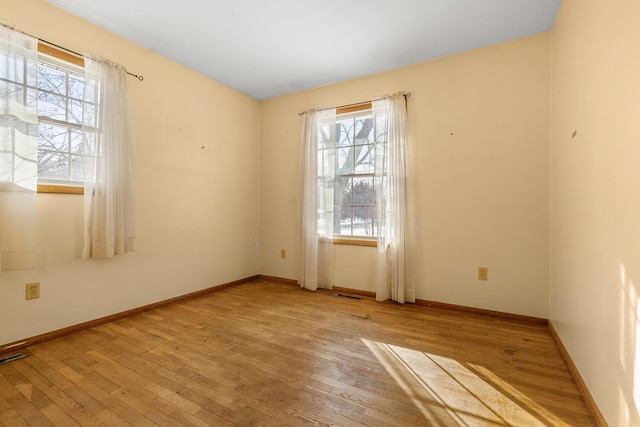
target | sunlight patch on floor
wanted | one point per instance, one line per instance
(448, 392)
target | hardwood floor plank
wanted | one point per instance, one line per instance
(11, 418)
(4, 405)
(75, 404)
(19, 403)
(264, 353)
(115, 405)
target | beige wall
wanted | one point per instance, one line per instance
(479, 130)
(197, 171)
(595, 198)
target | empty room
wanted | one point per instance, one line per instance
(350, 213)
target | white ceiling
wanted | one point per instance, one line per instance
(267, 48)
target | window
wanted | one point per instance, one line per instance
(354, 174)
(60, 87)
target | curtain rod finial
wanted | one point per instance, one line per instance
(139, 77)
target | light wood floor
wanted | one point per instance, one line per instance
(270, 354)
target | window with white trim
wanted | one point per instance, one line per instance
(354, 183)
(60, 88)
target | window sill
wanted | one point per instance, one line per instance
(356, 242)
(60, 189)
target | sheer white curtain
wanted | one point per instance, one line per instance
(394, 278)
(317, 169)
(109, 196)
(18, 149)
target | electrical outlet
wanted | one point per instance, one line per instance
(483, 273)
(32, 290)
(283, 253)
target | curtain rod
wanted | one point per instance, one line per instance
(406, 95)
(139, 77)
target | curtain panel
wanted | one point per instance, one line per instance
(317, 163)
(18, 149)
(109, 192)
(394, 279)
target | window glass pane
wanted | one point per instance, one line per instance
(52, 105)
(342, 191)
(52, 137)
(53, 165)
(77, 168)
(363, 222)
(76, 141)
(345, 132)
(75, 111)
(76, 86)
(52, 80)
(363, 191)
(364, 128)
(344, 159)
(364, 155)
(346, 219)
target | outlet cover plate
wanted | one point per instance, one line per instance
(32, 290)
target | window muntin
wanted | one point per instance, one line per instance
(60, 87)
(354, 179)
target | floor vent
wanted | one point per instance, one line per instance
(346, 296)
(12, 358)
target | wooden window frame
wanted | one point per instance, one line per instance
(354, 108)
(60, 189)
(356, 242)
(60, 54)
